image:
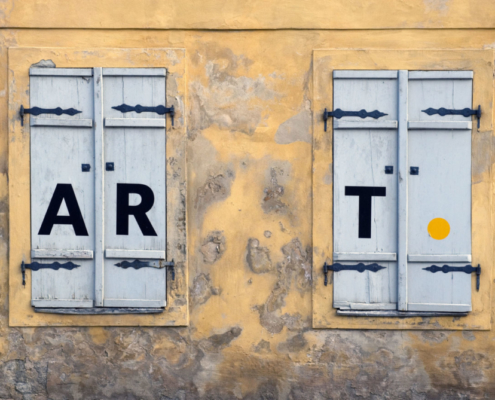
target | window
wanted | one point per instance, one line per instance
(97, 188)
(98, 196)
(402, 189)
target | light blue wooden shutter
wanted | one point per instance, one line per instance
(60, 144)
(440, 146)
(363, 148)
(133, 272)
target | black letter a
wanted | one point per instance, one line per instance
(63, 191)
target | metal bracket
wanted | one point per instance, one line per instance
(466, 112)
(414, 170)
(338, 113)
(36, 266)
(360, 267)
(467, 269)
(389, 169)
(160, 110)
(171, 266)
(38, 111)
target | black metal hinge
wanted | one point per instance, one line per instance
(39, 110)
(360, 267)
(160, 110)
(338, 113)
(466, 112)
(171, 267)
(138, 264)
(467, 269)
(36, 266)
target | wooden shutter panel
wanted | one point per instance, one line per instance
(60, 144)
(363, 147)
(135, 145)
(441, 147)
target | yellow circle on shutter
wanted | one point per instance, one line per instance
(438, 228)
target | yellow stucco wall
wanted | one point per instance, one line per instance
(248, 115)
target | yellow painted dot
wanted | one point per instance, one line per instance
(438, 228)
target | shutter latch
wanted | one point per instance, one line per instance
(160, 110)
(466, 112)
(38, 111)
(36, 266)
(338, 113)
(355, 267)
(467, 269)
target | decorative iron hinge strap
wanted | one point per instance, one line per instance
(36, 266)
(160, 110)
(138, 264)
(338, 113)
(466, 112)
(39, 110)
(360, 267)
(467, 269)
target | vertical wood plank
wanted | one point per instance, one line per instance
(402, 175)
(99, 186)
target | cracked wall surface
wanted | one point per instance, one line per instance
(249, 159)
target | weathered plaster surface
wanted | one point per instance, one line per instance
(249, 245)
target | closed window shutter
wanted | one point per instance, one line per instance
(98, 188)
(60, 144)
(441, 147)
(134, 244)
(417, 233)
(365, 233)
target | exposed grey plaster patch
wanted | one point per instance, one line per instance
(294, 271)
(433, 336)
(202, 289)
(296, 343)
(44, 64)
(258, 258)
(262, 347)
(272, 194)
(295, 129)
(328, 178)
(437, 5)
(482, 150)
(213, 247)
(267, 234)
(216, 188)
(469, 336)
(218, 342)
(229, 101)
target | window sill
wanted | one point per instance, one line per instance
(98, 311)
(402, 314)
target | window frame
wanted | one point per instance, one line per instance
(21, 313)
(324, 63)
